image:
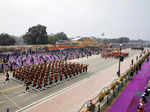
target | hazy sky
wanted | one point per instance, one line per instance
(78, 17)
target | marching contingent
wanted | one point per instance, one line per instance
(48, 73)
(41, 69)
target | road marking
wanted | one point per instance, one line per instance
(21, 94)
(1, 102)
(47, 98)
(51, 96)
(9, 89)
(11, 101)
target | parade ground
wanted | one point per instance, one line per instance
(68, 96)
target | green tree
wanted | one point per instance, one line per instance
(52, 39)
(56, 37)
(36, 35)
(6, 39)
(61, 36)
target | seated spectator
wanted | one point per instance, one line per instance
(91, 106)
(140, 107)
(143, 97)
(147, 89)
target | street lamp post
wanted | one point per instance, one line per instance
(118, 73)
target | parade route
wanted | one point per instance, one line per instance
(69, 95)
(128, 101)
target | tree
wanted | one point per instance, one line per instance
(6, 39)
(36, 35)
(61, 36)
(52, 39)
(55, 37)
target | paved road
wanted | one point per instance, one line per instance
(12, 94)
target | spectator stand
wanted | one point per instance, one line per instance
(105, 97)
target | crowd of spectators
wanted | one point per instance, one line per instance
(144, 97)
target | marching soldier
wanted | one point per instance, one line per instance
(39, 83)
(45, 81)
(50, 78)
(7, 76)
(27, 86)
(61, 75)
(56, 77)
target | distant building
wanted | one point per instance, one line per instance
(76, 38)
(63, 42)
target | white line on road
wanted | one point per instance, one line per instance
(21, 94)
(50, 97)
(1, 102)
(11, 101)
